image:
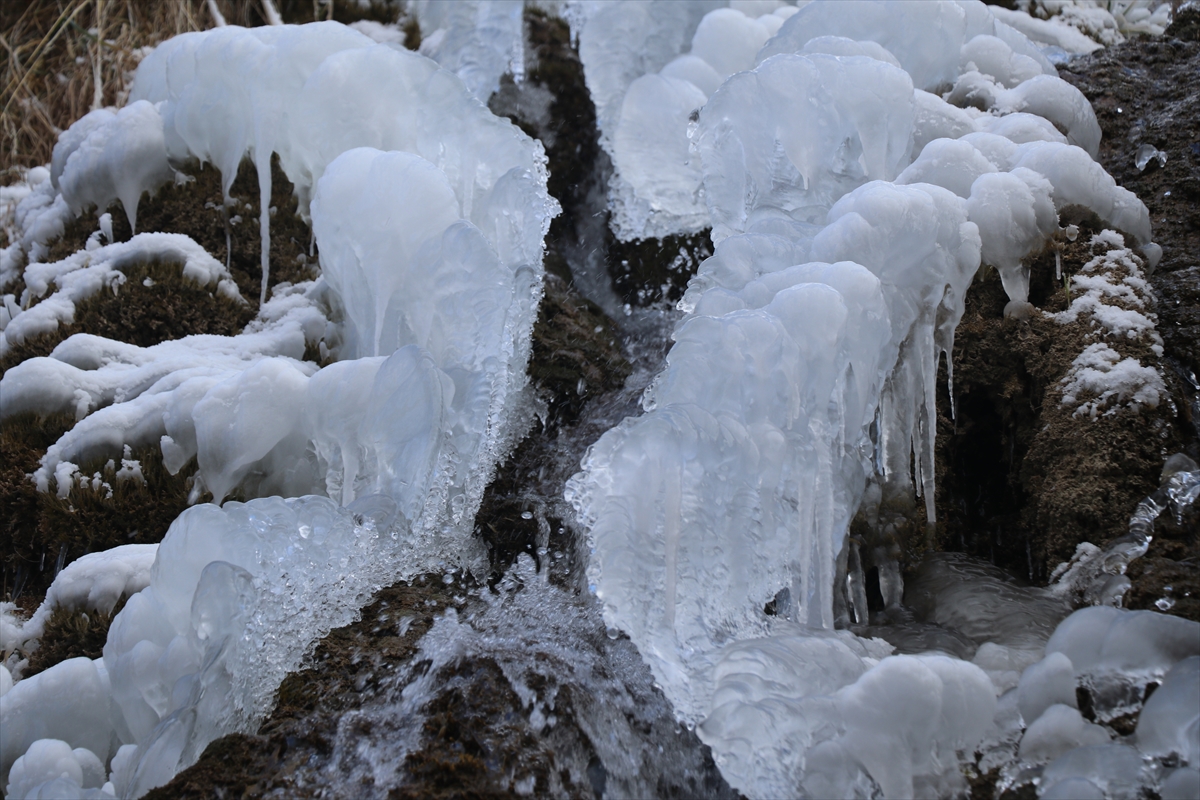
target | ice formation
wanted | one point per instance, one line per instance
(431, 251)
(800, 388)
(1084, 26)
(647, 123)
(477, 40)
(856, 170)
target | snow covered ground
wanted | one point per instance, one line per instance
(857, 166)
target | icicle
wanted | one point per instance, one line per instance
(271, 13)
(218, 17)
(263, 165)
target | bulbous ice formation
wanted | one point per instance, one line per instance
(850, 213)
(432, 255)
(790, 137)
(477, 40)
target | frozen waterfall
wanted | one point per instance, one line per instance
(857, 165)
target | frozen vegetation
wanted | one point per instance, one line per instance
(857, 166)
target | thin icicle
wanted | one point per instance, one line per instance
(271, 13)
(218, 17)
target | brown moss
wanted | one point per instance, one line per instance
(72, 634)
(45, 532)
(23, 553)
(1021, 480)
(576, 349)
(194, 209)
(155, 304)
(346, 670)
(477, 741)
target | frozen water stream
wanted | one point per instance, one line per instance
(856, 171)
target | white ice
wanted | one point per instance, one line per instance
(434, 302)
(477, 40)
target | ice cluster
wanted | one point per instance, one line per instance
(856, 167)
(429, 213)
(478, 40)
(646, 105)
(850, 208)
(1069, 27)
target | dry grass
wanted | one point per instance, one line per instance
(63, 58)
(59, 59)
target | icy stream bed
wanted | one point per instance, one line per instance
(694, 592)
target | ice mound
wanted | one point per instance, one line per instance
(93, 581)
(477, 40)
(255, 77)
(758, 444)
(1168, 726)
(801, 386)
(793, 135)
(620, 42)
(491, 180)
(70, 702)
(664, 173)
(235, 597)
(89, 272)
(110, 156)
(1113, 659)
(1084, 26)
(51, 768)
(927, 39)
(1115, 653)
(319, 90)
(819, 713)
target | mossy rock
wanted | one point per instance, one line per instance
(45, 532)
(194, 208)
(72, 634)
(157, 303)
